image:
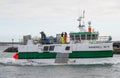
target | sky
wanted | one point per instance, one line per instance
(29, 17)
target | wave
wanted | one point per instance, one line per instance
(89, 61)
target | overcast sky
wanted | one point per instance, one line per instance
(24, 17)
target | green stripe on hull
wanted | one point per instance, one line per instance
(91, 54)
(74, 54)
(36, 55)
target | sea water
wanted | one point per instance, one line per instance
(88, 68)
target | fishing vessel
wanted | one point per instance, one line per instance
(81, 44)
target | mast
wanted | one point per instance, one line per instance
(81, 22)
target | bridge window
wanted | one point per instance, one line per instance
(77, 37)
(82, 37)
(71, 37)
(88, 37)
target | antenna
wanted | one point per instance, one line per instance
(89, 23)
(79, 19)
(84, 14)
(81, 22)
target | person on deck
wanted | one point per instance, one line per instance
(65, 37)
(43, 37)
(62, 38)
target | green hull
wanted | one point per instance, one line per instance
(74, 54)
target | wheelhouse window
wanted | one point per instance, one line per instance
(82, 37)
(67, 48)
(88, 37)
(71, 37)
(95, 36)
(77, 37)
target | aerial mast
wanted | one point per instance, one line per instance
(81, 22)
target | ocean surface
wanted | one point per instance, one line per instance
(88, 68)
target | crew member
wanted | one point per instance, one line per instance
(43, 37)
(62, 38)
(65, 37)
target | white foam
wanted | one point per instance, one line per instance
(89, 61)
